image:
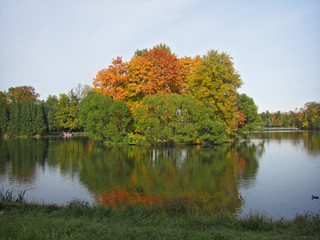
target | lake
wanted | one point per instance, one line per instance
(274, 173)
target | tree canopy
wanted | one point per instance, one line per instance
(214, 83)
(210, 80)
(103, 118)
(174, 118)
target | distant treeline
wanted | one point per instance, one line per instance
(307, 117)
(155, 98)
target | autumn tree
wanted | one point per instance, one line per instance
(112, 81)
(310, 116)
(157, 70)
(23, 93)
(148, 72)
(215, 83)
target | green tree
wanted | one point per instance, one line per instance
(166, 118)
(67, 112)
(50, 109)
(39, 124)
(209, 128)
(103, 118)
(4, 114)
(215, 83)
(248, 107)
(175, 118)
(14, 119)
(26, 115)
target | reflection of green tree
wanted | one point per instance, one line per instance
(206, 176)
(104, 168)
(312, 141)
(67, 153)
(19, 157)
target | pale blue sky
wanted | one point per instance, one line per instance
(54, 45)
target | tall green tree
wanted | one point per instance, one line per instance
(39, 123)
(14, 119)
(104, 119)
(26, 115)
(215, 83)
(50, 109)
(4, 113)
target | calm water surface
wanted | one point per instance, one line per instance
(275, 173)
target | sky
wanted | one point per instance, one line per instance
(55, 45)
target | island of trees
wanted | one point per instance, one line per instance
(155, 98)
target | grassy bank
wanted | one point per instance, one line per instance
(80, 221)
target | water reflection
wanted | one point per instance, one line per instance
(310, 140)
(205, 177)
(261, 170)
(18, 158)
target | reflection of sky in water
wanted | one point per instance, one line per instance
(49, 186)
(286, 179)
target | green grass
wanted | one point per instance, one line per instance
(80, 221)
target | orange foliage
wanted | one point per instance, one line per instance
(240, 118)
(157, 70)
(188, 67)
(112, 80)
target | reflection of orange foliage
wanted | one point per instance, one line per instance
(118, 197)
(133, 178)
(121, 196)
(242, 163)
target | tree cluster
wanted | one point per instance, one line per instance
(154, 98)
(173, 100)
(307, 117)
(21, 113)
